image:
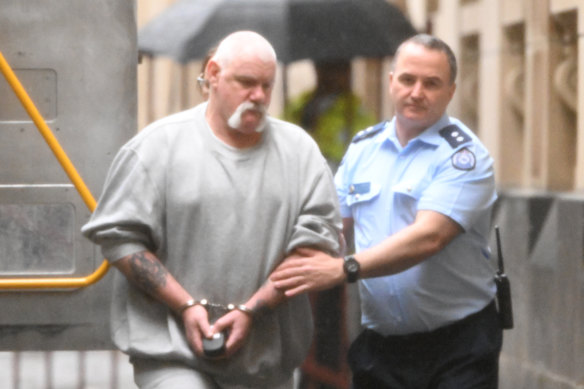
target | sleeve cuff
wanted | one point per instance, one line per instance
(114, 252)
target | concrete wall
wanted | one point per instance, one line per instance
(543, 244)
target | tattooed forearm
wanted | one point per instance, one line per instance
(149, 274)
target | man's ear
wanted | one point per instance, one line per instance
(389, 81)
(212, 72)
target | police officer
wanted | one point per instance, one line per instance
(417, 192)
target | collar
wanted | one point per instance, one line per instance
(388, 133)
(430, 135)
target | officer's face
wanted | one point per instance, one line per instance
(420, 87)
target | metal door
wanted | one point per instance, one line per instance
(77, 62)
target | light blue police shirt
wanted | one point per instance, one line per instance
(381, 185)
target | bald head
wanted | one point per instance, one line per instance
(241, 79)
(244, 44)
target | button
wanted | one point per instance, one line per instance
(351, 189)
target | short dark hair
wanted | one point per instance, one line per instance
(432, 43)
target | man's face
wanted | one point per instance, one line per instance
(420, 86)
(245, 89)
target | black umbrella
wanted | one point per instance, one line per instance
(298, 29)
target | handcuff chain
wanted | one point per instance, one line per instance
(206, 304)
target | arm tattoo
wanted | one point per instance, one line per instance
(149, 274)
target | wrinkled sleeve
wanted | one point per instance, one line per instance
(128, 216)
(319, 223)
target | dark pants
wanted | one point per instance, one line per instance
(462, 355)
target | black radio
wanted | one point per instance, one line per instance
(504, 304)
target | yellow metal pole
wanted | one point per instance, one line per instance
(45, 131)
(54, 283)
(53, 143)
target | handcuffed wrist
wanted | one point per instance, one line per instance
(206, 304)
(242, 308)
(191, 303)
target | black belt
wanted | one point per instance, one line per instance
(444, 331)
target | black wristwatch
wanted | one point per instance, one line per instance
(351, 268)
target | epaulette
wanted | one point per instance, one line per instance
(454, 135)
(368, 132)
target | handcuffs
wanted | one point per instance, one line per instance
(206, 304)
(215, 346)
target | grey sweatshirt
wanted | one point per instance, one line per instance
(220, 219)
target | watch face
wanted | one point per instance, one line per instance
(351, 268)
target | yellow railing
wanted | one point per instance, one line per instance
(31, 109)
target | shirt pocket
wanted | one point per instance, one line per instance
(412, 189)
(362, 193)
(406, 197)
(367, 211)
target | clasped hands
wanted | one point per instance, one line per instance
(235, 322)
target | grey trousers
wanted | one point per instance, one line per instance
(153, 374)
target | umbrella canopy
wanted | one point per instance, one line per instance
(298, 29)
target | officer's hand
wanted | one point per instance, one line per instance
(311, 271)
(196, 322)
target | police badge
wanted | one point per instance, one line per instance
(463, 159)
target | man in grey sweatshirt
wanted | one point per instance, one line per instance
(197, 211)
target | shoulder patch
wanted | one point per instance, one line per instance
(368, 132)
(454, 135)
(463, 159)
